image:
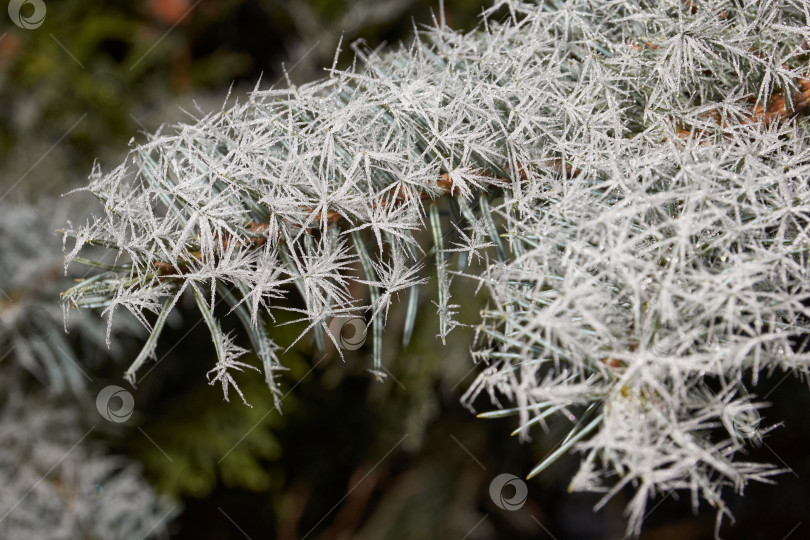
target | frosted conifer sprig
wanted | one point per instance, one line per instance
(287, 189)
(631, 174)
(651, 288)
(624, 310)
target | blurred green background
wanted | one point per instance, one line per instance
(349, 457)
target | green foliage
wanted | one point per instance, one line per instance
(200, 442)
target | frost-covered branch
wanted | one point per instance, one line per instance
(632, 176)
